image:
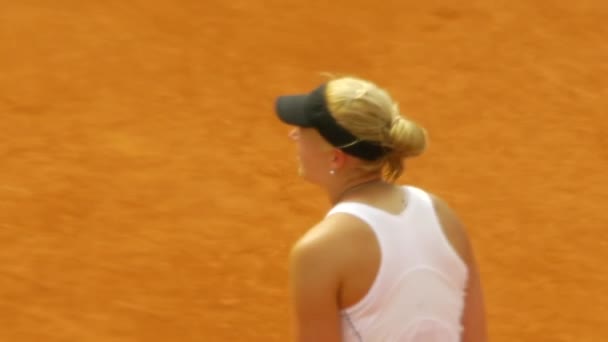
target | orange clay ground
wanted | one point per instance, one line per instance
(147, 192)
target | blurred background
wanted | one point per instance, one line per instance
(148, 193)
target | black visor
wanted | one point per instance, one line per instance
(310, 110)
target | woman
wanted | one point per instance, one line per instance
(388, 262)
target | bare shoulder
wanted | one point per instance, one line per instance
(331, 238)
(319, 259)
(453, 227)
(315, 272)
(341, 249)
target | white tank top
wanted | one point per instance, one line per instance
(418, 294)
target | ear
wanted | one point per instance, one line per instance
(338, 159)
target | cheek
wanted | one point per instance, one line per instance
(305, 153)
(312, 159)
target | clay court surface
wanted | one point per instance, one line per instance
(147, 192)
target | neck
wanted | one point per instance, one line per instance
(348, 188)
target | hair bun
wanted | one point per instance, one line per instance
(407, 138)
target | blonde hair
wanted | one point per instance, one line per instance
(369, 113)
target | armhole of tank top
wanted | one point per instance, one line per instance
(444, 240)
(351, 209)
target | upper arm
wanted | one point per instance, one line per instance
(314, 283)
(474, 319)
(474, 316)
